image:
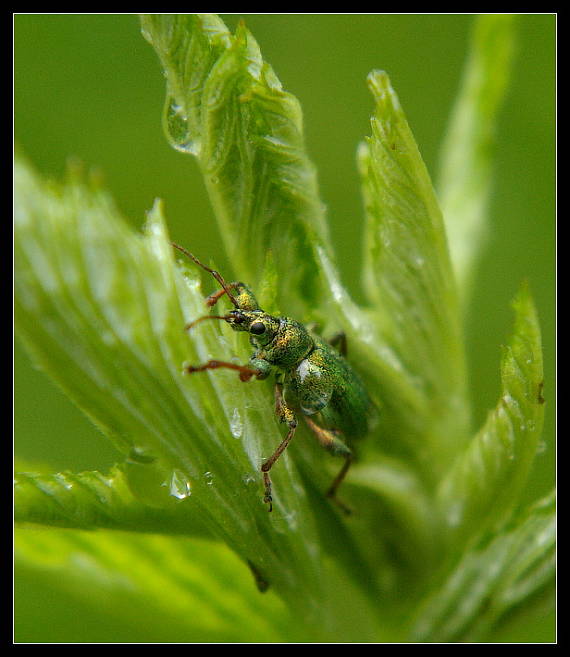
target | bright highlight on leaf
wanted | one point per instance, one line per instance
(102, 311)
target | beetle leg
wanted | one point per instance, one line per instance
(330, 440)
(245, 373)
(285, 414)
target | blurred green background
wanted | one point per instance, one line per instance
(90, 86)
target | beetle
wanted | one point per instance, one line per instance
(312, 377)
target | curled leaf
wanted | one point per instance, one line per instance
(484, 483)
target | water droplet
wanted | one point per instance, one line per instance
(209, 478)
(541, 447)
(179, 485)
(177, 129)
(236, 424)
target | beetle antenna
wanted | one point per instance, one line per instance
(201, 319)
(214, 273)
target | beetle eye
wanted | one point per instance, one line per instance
(257, 328)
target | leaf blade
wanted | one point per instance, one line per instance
(409, 282)
(483, 485)
(250, 147)
(465, 176)
(179, 590)
(91, 500)
(102, 311)
(491, 578)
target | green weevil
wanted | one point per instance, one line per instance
(312, 376)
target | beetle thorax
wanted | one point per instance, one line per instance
(290, 344)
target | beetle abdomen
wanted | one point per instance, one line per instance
(324, 383)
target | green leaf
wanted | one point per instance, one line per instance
(465, 179)
(484, 483)
(225, 105)
(167, 588)
(411, 336)
(230, 135)
(90, 500)
(102, 310)
(492, 579)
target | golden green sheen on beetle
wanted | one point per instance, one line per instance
(312, 377)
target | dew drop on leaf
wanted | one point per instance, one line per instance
(177, 130)
(236, 424)
(180, 486)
